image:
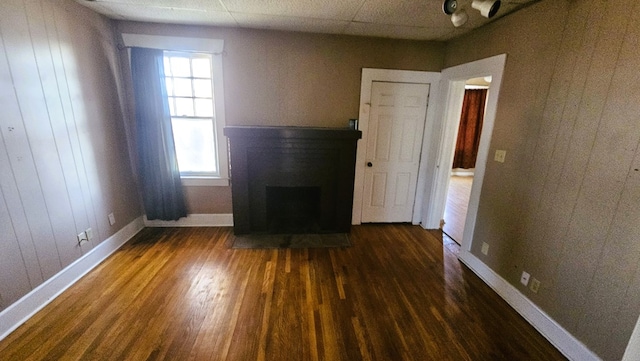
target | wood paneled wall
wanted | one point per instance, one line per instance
(565, 206)
(63, 153)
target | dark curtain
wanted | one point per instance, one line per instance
(470, 128)
(159, 175)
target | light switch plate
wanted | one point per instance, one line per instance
(535, 285)
(82, 237)
(485, 248)
(500, 156)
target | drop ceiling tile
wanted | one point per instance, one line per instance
(396, 31)
(290, 23)
(454, 33)
(210, 5)
(320, 9)
(410, 19)
(519, 2)
(104, 10)
(168, 15)
(406, 12)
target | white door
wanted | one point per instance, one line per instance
(396, 124)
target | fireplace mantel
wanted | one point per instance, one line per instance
(265, 158)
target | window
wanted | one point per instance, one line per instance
(189, 80)
(193, 76)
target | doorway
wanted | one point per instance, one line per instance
(450, 102)
(455, 211)
(465, 157)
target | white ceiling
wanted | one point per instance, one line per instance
(398, 19)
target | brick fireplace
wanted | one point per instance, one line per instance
(292, 179)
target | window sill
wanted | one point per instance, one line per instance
(204, 182)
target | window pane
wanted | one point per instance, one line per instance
(202, 88)
(172, 108)
(194, 145)
(189, 81)
(204, 107)
(182, 87)
(202, 68)
(169, 85)
(180, 67)
(167, 66)
(184, 107)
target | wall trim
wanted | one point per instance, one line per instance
(444, 139)
(195, 220)
(564, 341)
(23, 309)
(632, 353)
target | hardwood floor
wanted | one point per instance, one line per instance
(183, 294)
(455, 211)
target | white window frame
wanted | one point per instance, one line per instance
(214, 47)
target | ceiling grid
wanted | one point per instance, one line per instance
(398, 19)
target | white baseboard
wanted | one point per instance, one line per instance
(565, 342)
(195, 220)
(20, 311)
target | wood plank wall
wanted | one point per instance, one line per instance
(63, 159)
(565, 205)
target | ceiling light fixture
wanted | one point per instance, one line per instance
(487, 8)
(459, 18)
(449, 6)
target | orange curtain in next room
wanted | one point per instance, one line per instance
(470, 128)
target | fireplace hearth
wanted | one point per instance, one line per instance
(292, 179)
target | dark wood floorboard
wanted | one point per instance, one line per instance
(184, 294)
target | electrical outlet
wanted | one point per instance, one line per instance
(535, 285)
(112, 219)
(524, 279)
(82, 237)
(89, 233)
(485, 248)
(500, 156)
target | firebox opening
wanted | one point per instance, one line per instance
(293, 209)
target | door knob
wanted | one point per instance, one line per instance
(369, 164)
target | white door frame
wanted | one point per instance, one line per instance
(451, 95)
(396, 76)
(633, 347)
